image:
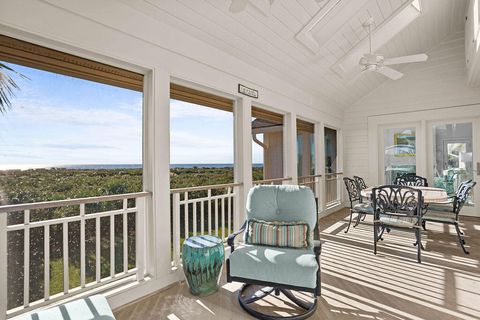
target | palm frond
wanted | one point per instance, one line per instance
(8, 86)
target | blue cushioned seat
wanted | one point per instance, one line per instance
(398, 221)
(91, 308)
(440, 216)
(274, 264)
(363, 208)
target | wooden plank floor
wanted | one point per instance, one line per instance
(356, 284)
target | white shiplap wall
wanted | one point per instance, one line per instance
(438, 84)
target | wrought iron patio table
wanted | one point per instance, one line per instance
(430, 194)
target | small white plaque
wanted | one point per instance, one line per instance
(247, 91)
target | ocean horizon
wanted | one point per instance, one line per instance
(123, 166)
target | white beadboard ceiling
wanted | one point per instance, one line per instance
(268, 41)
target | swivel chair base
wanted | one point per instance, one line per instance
(262, 292)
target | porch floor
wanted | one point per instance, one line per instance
(355, 282)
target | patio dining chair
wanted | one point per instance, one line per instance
(281, 253)
(397, 207)
(448, 212)
(362, 209)
(411, 180)
(360, 182)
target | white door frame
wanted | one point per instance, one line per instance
(448, 115)
(469, 211)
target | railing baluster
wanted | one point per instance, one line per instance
(125, 236)
(176, 229)
(216, 217)
(26, 259)
(112, 246)
(27, 225)
(66, 276)
(46, 261)
(139, 238)
(202, 217)
(229, 210)
(223, 218)
(209, 207)
(194, 219)
(185, 215)
(82, 245)
(98, 241)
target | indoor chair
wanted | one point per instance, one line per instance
(411, 180)
(281, 252)
(448, 212)
(397, 207)
(361, 208)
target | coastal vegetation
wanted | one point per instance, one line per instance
(39, 185)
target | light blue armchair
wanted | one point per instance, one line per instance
(277, 268)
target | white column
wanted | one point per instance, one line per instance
(320, 163)
(243, 156)
(157, 171)
(290, 147)
(3, 266)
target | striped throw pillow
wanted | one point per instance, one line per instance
(278, 233)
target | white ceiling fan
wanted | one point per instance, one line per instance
(378, 63)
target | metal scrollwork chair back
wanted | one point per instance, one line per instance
(411, 180)
(397, 207)
(361, 208)
(360, 182)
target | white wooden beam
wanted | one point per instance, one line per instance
(242, 156)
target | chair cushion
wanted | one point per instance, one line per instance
(296, 267)
(398, 221)
(91, 308)
(448, 217)
(363, 208)
(441, 207)
(278, 233)
(282, 203)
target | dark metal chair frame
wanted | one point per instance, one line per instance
(399, 201)
(360, 182)
(353, 190)
(276, 288)
(458, 200)
(411, 180)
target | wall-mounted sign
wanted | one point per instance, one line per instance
(247, 91)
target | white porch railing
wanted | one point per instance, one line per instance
(312, 181)
(272, 181)
(202, 210)
(333, 188)
(35, 222)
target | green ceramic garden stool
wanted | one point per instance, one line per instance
(202, 258)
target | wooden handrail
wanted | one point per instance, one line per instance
(71, 202)
(334, 174)
(200, 188)
(272, 180)
(311, 176)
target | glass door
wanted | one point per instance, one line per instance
(399, 154)
(453, 159)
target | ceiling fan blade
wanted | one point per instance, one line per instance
(406, 59)
(238, 6)
(390, 73)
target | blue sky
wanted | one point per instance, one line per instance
(60, 120)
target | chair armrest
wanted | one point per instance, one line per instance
(231, 237)
(317, 247)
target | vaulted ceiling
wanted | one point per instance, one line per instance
(270, 38)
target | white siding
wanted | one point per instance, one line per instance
(438, 84)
